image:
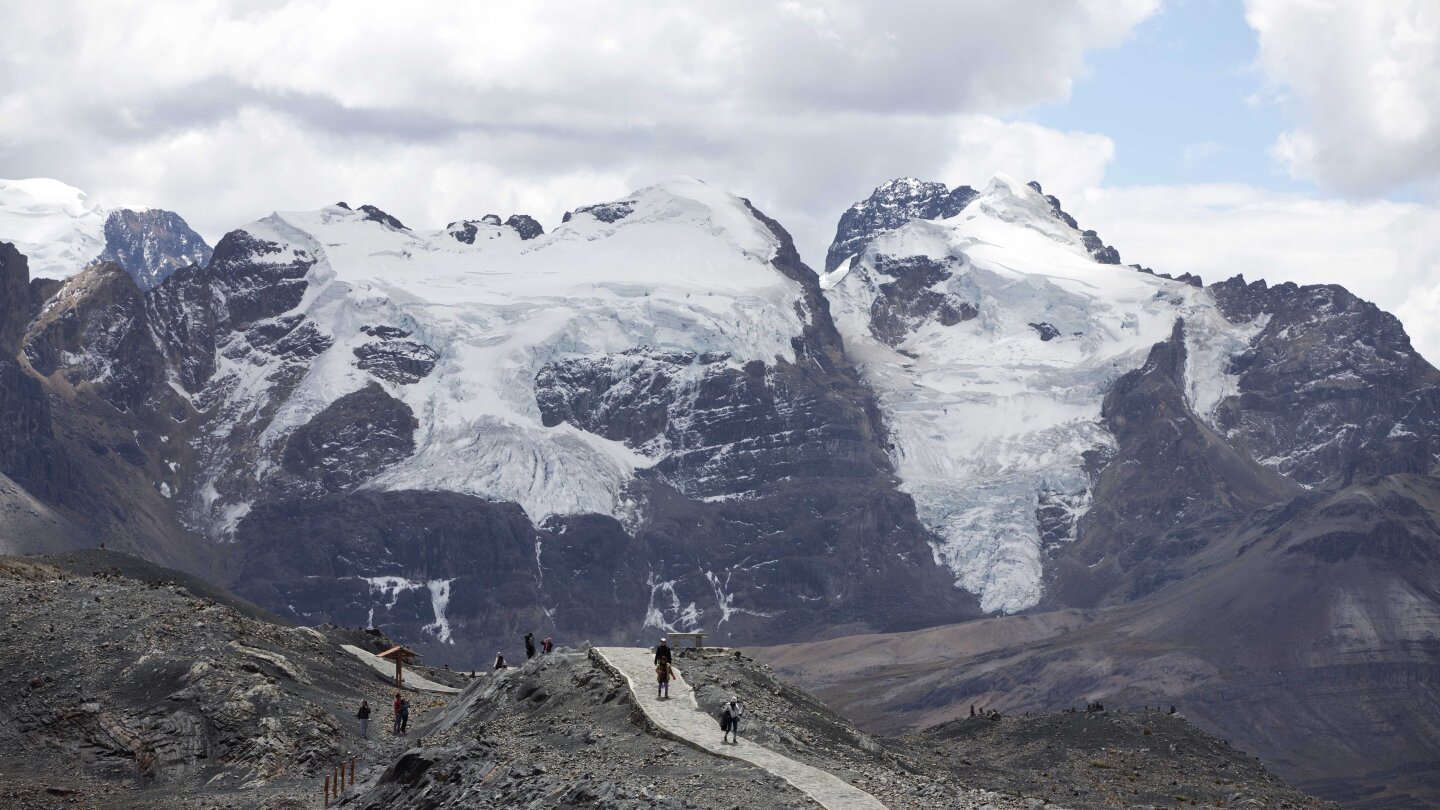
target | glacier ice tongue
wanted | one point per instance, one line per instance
(994, 408)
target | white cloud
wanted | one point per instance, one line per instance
(1364, 78)
(1385, 252)
(436, 110)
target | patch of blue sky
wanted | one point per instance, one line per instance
(1183, 101)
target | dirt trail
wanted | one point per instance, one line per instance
(680, 716)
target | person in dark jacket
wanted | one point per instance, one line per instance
(404, 717)
(730, 721)
(662, 652)
(500, 661)
(364, 715)
(529, 645)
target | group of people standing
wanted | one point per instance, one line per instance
(665, 672)
(401, 719)
(546, 647)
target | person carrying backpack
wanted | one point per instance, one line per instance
(662, 679)
(730, 721)
(364, 715)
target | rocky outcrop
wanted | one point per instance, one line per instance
(1171, 482)
(890, 206)
(15, 303)
(97, 332)
(355, 438)
(1330, 390)
(608, 213)
(466, 230)
(152, 244)
(903, 305)
(396, 360)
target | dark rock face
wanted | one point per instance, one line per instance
(397, 360)
(292, 336)
(524, 225)
(196, 308)
(1046, 331)
(356, 437)
(906, 303)
(29, 452)
(376, 215)
(605, 212)
(1157, 501)
(15, 302)
(890, 206)
(98, 332)
(151, 245)
(483, 551)
(41, 291)
(1102, 253)
(1331, 391)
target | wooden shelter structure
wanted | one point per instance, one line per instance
(401, 655)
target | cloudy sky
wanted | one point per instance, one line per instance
(1285, 139)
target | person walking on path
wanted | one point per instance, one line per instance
(364, 715)
(395, 708)
(529, 645)
(662, 652)
(730, 721)
(404, 717)
(500, 661)
(662, 677)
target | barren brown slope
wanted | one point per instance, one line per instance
(1317, 647)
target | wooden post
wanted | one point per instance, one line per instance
(327, 790)
(399, 672)
(352, 769)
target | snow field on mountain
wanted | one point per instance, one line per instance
(985, 417)
(53, 224)
(688, 269)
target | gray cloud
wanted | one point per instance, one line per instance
(225, 110)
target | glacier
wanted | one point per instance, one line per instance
(683, 267)
(993, 414)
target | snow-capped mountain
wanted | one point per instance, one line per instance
(655, 415)
(62, 232)
(642, 418)
(992, 336)
(56, 226)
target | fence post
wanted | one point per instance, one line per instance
(327, 790)
(352, 769)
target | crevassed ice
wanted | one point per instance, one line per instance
(984, 416)
(688, 269)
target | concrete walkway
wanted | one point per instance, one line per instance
(680, 716)
(387, 668)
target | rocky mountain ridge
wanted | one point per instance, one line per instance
(656, 416)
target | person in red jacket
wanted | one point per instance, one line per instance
(396, 728)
